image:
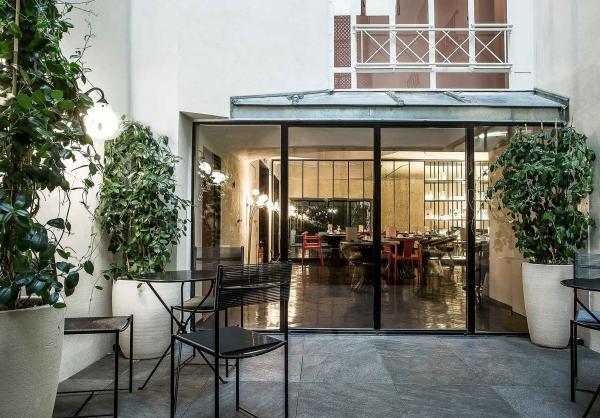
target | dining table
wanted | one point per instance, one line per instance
(334, 240)
(181, 277)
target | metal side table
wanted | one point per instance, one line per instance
(103, 325)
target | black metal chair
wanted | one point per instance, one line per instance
(587, 267)
(211, 257)
(238, 286)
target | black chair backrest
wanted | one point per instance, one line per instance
(252, 284)
(211, 257)
(587, 266)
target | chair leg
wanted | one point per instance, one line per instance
(116, 388)
(173, 394)
(226, 360)
(286, 388)
(573, 365)
(322, 259)
(131, 355)
(242, 316)
(216, 370)
(302, 263)
(193, 326)
(589, 408)
(237, 384)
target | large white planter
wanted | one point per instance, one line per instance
(152, 326)
(31, 342)
(548, 305)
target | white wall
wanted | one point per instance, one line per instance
(237, 48)
(190, 56)
(520, 14)
(157, 58)
(108, 57)
(568, 63)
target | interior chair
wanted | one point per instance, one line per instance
(587, 267)
(386, 254)
(312, 242)
(210, 258)
(408, 251)
(351, 233)
(236, 286)
(482, 268)
(353, 253)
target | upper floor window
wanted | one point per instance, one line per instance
(422, 44)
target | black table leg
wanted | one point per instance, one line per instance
(155, 367)
(173, 393)
(589, 408)
(131, 354)
(116, 388)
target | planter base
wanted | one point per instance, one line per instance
(31, 344)
(151, 334)
(548, 304)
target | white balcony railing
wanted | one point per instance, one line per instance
(482, 47)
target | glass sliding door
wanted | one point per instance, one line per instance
(423, 220)
(330, 190)
(499, 290)
(422, 267)
(241, 215)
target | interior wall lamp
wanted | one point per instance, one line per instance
(254, 202)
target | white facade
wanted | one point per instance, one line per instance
(165, 62)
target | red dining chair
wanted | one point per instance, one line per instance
(409, 250)
(386, 252)
(312, 242)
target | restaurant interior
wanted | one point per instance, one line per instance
(330, 186)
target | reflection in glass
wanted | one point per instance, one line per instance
(330, 214)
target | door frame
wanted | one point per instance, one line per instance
(376, 127)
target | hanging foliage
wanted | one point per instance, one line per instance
(139, 209)
(41, 132)
(544, 179)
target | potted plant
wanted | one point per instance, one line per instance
(141, 214)
(41, 132)
(543, 180)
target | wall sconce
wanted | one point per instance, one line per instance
(100, 122)
(253, 202)
(209, 177)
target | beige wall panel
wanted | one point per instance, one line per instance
(387, 194)
(340, 183)
(310, 180)
(403, 200)
(417, 197)
(356, 180)
(325, 179)
(295, 179)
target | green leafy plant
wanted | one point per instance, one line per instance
(544, 178)
(41, 132)
(139, 209)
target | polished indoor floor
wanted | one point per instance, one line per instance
(323, 297)
(364, 376)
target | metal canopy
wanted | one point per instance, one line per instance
(480, 107)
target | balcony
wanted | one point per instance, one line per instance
(424, 48)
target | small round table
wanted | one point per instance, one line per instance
(590, 285)
(182, 277)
